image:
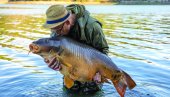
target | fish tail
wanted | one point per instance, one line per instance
(123, 83)
(120, 87)
(129, 81)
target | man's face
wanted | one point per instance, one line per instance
(62, 29)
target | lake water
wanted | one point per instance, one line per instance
(138, 37)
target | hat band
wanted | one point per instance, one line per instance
(58, 20)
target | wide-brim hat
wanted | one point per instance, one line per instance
(55, 16)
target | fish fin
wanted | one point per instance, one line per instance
(73, 76)
(122, 83)
(68, 82)
(120, 87)
(129, 81)
(64, 63)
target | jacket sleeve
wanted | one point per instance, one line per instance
(98, 39)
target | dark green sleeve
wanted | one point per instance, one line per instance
(98, 39)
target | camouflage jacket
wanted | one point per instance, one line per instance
(87, 29)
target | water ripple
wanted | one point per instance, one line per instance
(139, 44)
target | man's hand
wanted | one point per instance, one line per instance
(53, 64)
(97, 78)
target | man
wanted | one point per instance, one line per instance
(75, 22)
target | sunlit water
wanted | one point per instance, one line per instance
(138, 37)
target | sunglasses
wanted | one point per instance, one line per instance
(58, 28)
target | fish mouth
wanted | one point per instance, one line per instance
(34, 48)
(53, 63)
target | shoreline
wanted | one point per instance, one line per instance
(60, 2)
(104, 2)
(144, 4)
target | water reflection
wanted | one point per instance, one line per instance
(135, 40)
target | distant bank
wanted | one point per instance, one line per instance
(121, 2)
(3, 1)
(144, 2)
(56, 2)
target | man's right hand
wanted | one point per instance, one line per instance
(53, 64)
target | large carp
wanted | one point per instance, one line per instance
(81, 62)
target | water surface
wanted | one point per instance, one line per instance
(138, 37)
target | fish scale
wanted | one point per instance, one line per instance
(86, 52)
(77, 50)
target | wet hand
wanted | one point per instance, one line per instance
(53, 64)
(97, 78)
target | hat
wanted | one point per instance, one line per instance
(56, 15)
